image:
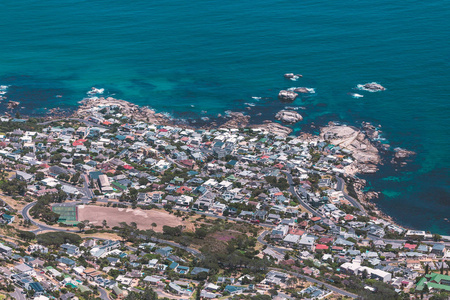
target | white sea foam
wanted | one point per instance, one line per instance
(250, 104)
(355, 95)
(95, 91)
(256, 98)
(310, 90)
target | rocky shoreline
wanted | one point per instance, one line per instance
(361, 142)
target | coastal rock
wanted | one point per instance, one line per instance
(365, 154)
(274, 128)
(288, 116)
(12, 104)
(237, 120)
(403, 153)
(303, 90)
(94, 104)
(287, 96)
(371, 87)
(292, 76)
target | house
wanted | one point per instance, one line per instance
(8, 219)
(5, 250)
(439, 249)
(166, 251)
(198, 270)
(70, 249)
(24, 176)
(434, 281)
(306, 242)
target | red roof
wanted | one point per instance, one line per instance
(183, 189)
(296, 231)
(127, 167)
(79, 142)
(410, 246)
(321, 247)
(348, 217)
(314, 219)
(337, 248)
(106, 123)
(163, 130)
(326, 240)
(264, 156)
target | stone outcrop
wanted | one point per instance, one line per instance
(366, 155)
(12, 104)
(288, 116)
(274, 128)
(302, 90)
(287, 96)
(142, 113)
(237, 120)
(292, 76)
(401, 153)
(372, 87)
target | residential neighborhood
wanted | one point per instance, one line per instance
(111, 207)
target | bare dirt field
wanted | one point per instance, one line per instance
(114, 216)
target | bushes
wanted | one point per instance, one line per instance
(56, 239)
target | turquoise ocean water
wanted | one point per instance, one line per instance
(185, 57)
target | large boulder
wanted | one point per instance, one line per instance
(288, 116)
(287, 96)
(292, 76)
(371, 87)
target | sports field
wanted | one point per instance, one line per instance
(114, 216)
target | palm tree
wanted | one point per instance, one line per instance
(104, 223)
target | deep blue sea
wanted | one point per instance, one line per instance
(201, 58)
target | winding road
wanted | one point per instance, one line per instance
(340, 187)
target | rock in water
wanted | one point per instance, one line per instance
(288, 116)
(287, 96)
(403, 153)
(371, 87)
(13, 104)
(292, 76)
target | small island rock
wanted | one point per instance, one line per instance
(287, 96)
(288, 116)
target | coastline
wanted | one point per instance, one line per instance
(370, 152)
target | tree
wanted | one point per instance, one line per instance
(39, 176)
(81, 226)
(154, 225)
(26, 235)
(292, 281)
(201, 233)
(104, 223)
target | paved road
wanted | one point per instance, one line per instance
(88, 123)
(340, 187)
(17, 294)
(87, 191)
(303, 191)
(103, 294)
(277, 249)
(313, 280)
(42, 227)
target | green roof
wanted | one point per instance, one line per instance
(434, 281)
(120, 186)
(437, 286)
